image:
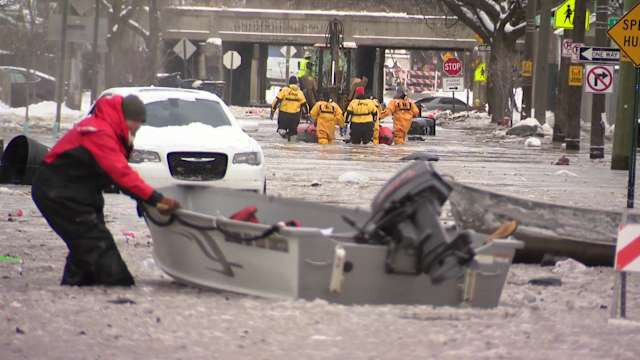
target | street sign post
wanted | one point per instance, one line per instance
(480, 74)
(527, 68)
(184, 48)
(566, 47)
(575, 75)
(628, 248)
(626, 34)
(231, 60)
(452, 67)
(598, 79)
(575, 51)
(599, 54)
(563, 16)
(452, 84)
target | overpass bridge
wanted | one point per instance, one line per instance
(251, 31)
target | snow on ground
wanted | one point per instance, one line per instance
(42, 114)
(160, 319)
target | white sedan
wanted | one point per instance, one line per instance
(190, 136)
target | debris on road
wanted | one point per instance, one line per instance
(532, 142)
(546, 281)
(353, 177)
(563, 160)
(420, 155)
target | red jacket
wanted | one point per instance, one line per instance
(95, 147)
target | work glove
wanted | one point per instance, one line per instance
(271, 115)
(167, 205)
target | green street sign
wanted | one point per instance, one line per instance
(612, 21)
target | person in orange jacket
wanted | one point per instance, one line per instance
(326, 115)
(403, 111)
(376, 126)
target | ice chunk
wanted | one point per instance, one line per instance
(568, 266)
(353, 177)
(532, 142)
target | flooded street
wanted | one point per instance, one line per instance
(160, 319)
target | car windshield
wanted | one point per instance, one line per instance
(178, 112)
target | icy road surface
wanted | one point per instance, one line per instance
(159, 319)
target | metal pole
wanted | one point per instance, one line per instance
(184, 59)
(61, 66)
(542, 66)
(596, 150)
(632, 149)
(287, 59)
(231, 80)
(453, 97)
(94, 83)
(527, 83)
(575, 92)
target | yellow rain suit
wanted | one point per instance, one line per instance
(362, 114)
(290, 99)
(403, 111)
(376, 126)
(326, 115)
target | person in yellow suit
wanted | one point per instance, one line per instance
(361, 114)
(326, 115)
(291, 104)
(403, 111)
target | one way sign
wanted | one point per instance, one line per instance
(599, 54)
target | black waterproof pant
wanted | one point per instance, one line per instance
(289, 122)
(361, 133)
(93, 257)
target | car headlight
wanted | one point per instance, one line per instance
(142, 156)
(251, 158)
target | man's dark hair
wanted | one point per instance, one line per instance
(133, 108)
(324, 95)
(293, 80)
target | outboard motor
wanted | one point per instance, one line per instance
(405, 217)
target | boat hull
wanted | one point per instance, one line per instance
(318, 260)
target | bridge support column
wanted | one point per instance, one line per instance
(377, 89)
(258, 75)
(213, 59)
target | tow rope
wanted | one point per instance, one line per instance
(275, 228)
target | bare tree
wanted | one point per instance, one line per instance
(500, 23)
(141, 18)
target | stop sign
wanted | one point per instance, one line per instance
(452, 67)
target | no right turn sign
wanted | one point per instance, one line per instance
(598, 79)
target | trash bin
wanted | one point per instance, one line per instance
(20, 160)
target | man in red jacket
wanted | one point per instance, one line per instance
(68, 189)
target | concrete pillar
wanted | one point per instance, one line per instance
(254, 84)
(213, 59)
(377, 89)
(201, 66)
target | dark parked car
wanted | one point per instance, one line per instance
(43, 86)
(441, 103)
